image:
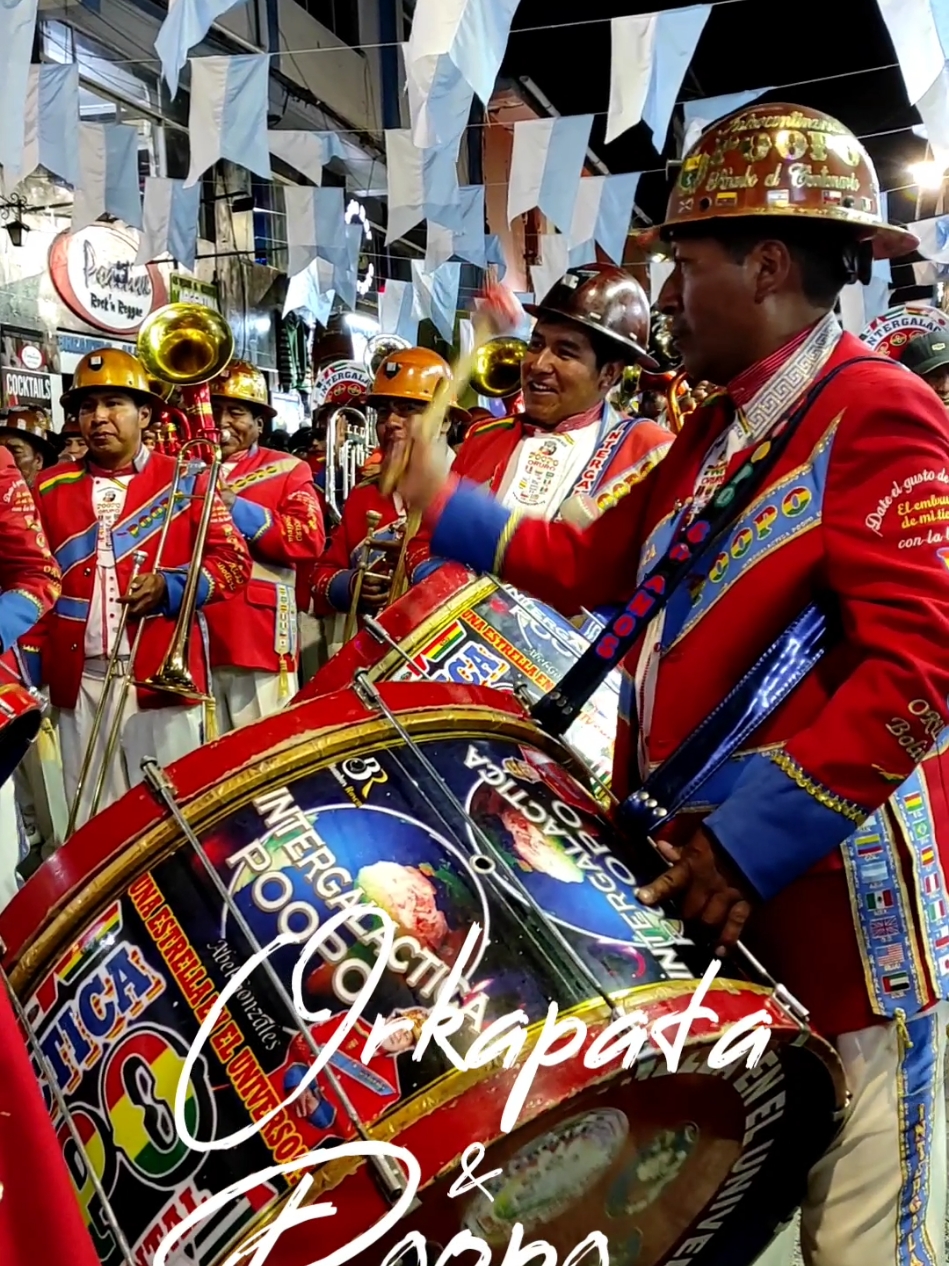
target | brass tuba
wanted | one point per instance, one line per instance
(381, 346)
(496, 372)
(186, 345)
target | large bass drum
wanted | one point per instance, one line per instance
(479, 632)
(445, 806)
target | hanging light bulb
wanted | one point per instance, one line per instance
(927, 175)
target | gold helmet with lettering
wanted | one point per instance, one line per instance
(781, 160)
(241, 381)
(110, 367)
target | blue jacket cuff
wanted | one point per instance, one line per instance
(340, 589)
(250, 519)
(175, 588)
(426, 568)
(33, 665)
(17, 616)
(774, 829)
(473, 529)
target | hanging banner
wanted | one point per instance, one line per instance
(95, 274)
(182, 289)
(24, 369)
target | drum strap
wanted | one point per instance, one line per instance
(759, 693)
(692, 541)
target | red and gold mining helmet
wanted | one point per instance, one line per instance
(781, 160)
(241, 381)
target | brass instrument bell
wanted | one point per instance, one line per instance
(496, 372)
(184, 344)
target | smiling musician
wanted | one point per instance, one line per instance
(784, 583)
(569, 445)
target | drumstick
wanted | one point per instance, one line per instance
(428, 429)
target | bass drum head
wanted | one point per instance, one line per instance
(480, 633)
(476, 821)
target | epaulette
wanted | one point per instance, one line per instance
(68, 475)
(490, 424)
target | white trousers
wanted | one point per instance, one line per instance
(165, 733)
(9, 844)
(38, 781)
(878, 1197)
(243, 695)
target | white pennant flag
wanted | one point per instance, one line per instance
(170, 221)
(436, 295)
(51, 127)
(310, 293)
(423, 184)
(554, 262)
(919, 30)
(316, 226)
(108, 175)
(17, 28)
(454, 51)
(228, 116)
(186, 24)
(546, 165)
(650, 54)
(397, 310)
(602, 216)
(306, 152)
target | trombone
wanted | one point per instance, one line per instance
(185, 345)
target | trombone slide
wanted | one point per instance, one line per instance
(138, 558)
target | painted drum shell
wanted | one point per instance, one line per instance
(122, 940)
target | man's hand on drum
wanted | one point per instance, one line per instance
(709, 887)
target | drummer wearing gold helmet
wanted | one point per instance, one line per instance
(272, 500)
(97, 514)
(818, 832)
(405, 385)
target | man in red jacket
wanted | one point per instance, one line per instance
(29, 585)
(835, 808)
(404, 387)
(274, 505)
(97, 514)
(569, 452)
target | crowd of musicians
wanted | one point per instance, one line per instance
(287, 568)
(812, 816)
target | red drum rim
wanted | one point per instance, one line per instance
(131, 836)
(484, 1092)
(436, 600)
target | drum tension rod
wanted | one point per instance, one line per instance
(583, 977)
(388, 1173)
(381, 635)
(56, 1091)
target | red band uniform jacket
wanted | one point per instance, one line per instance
(335, 573)
(277, 513)
(627, 449)
(29, 575)
(844, 839)
(64, 498)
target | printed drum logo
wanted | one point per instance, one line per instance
(138, 1095)
(796, 502)
(742, 543)
(101, 1157)
(719, 568)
